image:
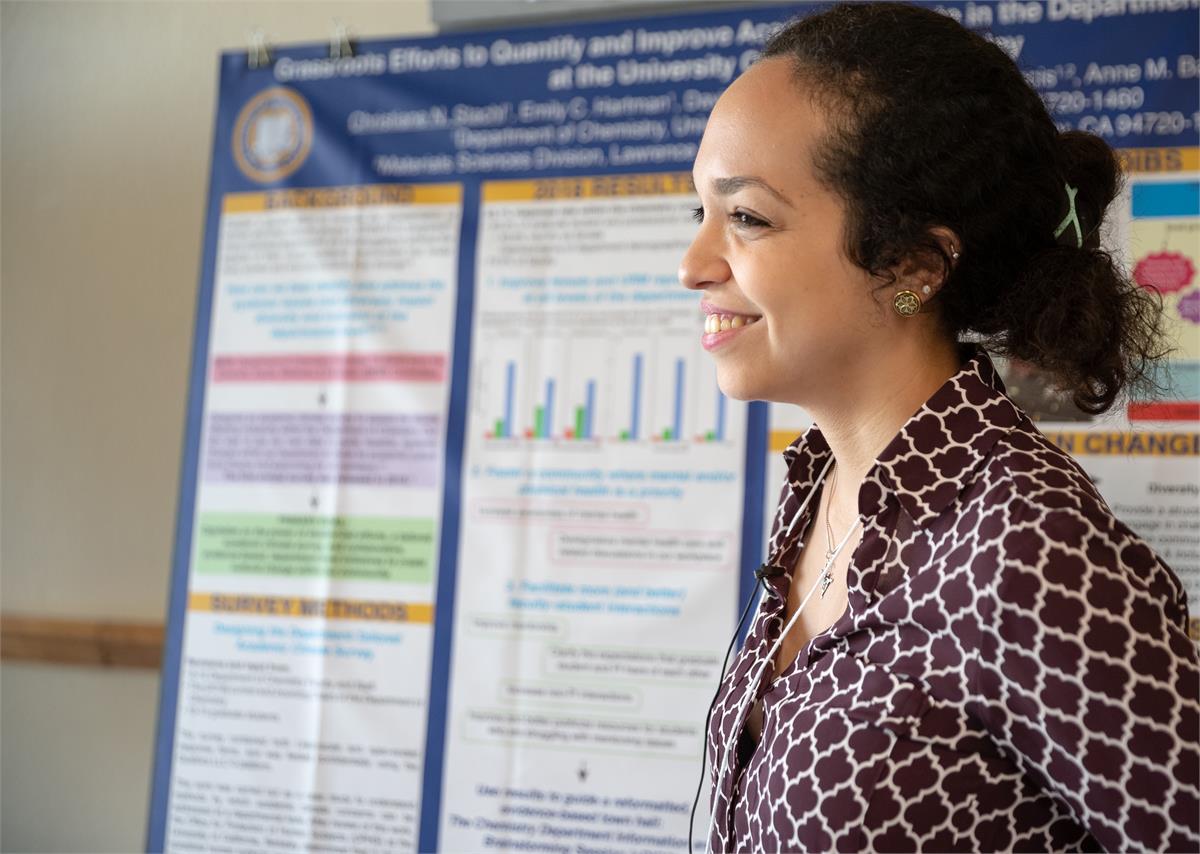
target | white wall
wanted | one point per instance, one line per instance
(106, 113)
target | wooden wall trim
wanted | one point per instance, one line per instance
(98, 643)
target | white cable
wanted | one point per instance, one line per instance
(811, 493)
(732, 747)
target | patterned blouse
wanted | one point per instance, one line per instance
(1013, 670)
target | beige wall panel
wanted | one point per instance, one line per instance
(106, 117)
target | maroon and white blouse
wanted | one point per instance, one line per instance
(1013, 670)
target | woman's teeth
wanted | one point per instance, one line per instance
(725, 322)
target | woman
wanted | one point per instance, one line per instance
(961, 648)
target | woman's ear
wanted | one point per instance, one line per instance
(927, 267)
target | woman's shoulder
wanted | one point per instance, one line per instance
(1034, 467)
(1059, 529)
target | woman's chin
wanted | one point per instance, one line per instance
(735, 386)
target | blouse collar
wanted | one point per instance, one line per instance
(936, 453)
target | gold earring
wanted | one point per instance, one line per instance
(906, 303)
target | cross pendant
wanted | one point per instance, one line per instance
(826, 580)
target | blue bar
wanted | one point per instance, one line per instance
(547, 431)
(510, 375)
(678, 429)
(1181, 198)
(637, 395)
(720, 431)
(591, 407)
(755, 467)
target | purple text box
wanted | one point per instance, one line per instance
(373, 449)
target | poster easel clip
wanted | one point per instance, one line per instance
(340, 46)
(259, 54)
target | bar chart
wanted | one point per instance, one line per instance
(578, 426)
(589, 390)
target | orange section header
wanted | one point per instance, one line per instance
(598, 187)
(340, 197)
(1160, 159)
(294, 606)
(1141, 443)
(780, 439)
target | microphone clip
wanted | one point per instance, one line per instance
(769, 570)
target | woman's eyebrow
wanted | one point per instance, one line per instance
(729, 186)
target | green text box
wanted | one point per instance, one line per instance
(358, 548)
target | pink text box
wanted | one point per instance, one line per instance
(331, 367)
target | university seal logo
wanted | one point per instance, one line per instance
(272, 135)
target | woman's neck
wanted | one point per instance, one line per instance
(874, 398)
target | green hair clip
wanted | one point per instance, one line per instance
(1072, 218)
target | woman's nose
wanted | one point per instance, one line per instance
(702, 265)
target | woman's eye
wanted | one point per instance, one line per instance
(738, 218)
(747, 220)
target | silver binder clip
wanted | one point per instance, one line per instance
(259, 55)
(339, 41)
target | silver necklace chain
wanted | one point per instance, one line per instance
(826, 577)
(828, 506)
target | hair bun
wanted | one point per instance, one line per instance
(1088, 164)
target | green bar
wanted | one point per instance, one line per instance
(499, 428)
(539, 421)
(579, 422)
(624, 435)
(305, 547)
(710, 436)
(667, 433)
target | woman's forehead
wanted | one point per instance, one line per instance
(763, 125)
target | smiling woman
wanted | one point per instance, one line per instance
(960, 647)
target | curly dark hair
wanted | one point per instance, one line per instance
(933, 125)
